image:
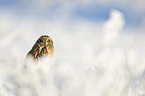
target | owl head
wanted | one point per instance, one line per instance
(42, 47)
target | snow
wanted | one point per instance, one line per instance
(90, 59)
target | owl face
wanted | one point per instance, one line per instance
(42, 47)
(44, 41)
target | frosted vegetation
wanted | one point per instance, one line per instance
(90, 59)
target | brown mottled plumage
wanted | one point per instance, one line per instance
(42, 47)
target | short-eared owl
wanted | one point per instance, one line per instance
(42, 47)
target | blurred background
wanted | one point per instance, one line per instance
(99, 47)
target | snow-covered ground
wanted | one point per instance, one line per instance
(90, 59)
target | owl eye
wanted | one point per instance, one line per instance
(41, 40)
(48, 40)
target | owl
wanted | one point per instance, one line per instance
(42, 47)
